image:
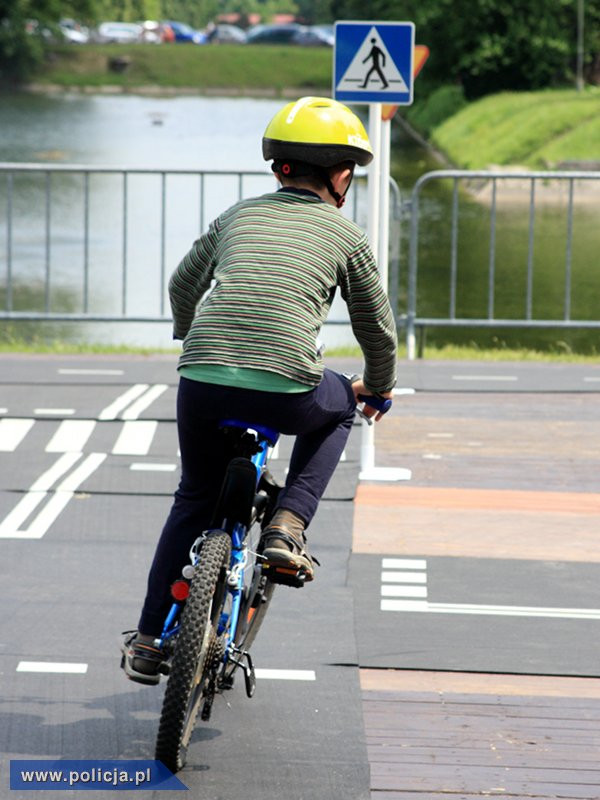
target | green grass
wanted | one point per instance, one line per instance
(532, 129)
(561, 353)
(179, 66)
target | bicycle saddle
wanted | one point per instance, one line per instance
(270, 435)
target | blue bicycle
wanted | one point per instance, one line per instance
(223, 595)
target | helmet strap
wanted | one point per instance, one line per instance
(295, 169)
(340, 199)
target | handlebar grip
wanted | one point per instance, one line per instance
(382, 404)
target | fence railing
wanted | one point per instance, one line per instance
(97, 244)
(529, 193)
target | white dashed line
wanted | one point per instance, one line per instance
(142, 467)
(53, 412)
(52, 666)
(65, 371)
(485, 378)
(286, 674)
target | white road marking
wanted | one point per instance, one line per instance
(432, 456)
(12, 433)
(502, 611)
(10, 527)
(403, 591)
(71, 436)
(3, 410)
(73, 371)
(485, 378)
(402, 390)
(591, 379)
(56, 471)
(143, 467)
(53, 412)
(52, 666)
(286, 674)
(440, 435)
(404, 577)
(144, 401)
(122, 401)
(273, 451)
(404, 563)
(135, 438)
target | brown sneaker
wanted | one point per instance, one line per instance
(283, 544)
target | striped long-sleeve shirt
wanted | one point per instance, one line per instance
(274, 263)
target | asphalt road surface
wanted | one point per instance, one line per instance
(88, 464)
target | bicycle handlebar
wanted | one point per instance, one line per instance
(382, 404)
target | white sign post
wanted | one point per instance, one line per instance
(373, 63)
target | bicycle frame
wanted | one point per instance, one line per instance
(264, 438)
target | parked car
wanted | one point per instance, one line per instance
(273, 34)
(313, 36)
(226, 34)
(152, 32)
(185, 33)
(73, 32)
(119, 33)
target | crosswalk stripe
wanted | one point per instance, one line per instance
(71, 436)
(12, 432)
(122, 401)
(10, 527)
(142, 403)
(135, 438)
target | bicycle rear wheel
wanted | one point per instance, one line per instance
(198, 650)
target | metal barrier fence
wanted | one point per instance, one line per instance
(528, 195)
(98, 244)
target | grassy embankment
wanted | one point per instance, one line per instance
(537, 130)
(260, 69)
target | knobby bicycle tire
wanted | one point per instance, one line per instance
(196, 639)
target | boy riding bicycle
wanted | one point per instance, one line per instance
(249, 344)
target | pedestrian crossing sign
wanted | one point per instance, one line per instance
(373, 62)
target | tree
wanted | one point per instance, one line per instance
(492, 45)
(25, 28)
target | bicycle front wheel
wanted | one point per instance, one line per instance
(197, 652)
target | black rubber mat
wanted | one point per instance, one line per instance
(482, 615)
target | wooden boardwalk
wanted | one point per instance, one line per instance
(454, 736)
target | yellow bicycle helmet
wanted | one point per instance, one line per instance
(318, 131)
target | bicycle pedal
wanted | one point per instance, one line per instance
(285, 576)
(250, 680)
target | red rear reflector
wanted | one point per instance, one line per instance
(180, 590)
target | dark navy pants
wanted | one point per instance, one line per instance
(321, 420)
